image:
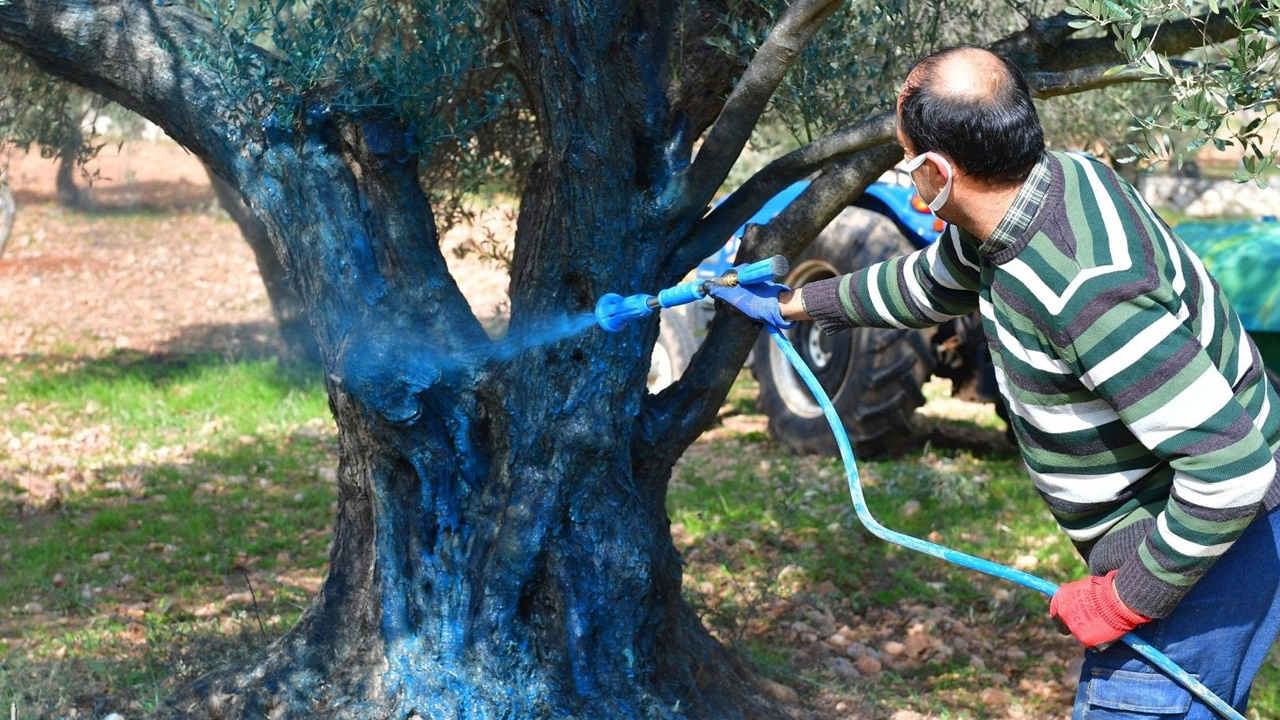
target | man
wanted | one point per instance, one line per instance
(1140, 405)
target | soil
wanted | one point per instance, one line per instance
(150, 263)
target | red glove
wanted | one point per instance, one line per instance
(1092, 611)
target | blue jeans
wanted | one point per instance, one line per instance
(1221, 632)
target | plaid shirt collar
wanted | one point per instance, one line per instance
(1023, 211)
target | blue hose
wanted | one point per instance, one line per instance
(1140, 646)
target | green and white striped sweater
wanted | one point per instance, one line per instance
(1140, 404)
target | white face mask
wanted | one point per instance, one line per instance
(945, 193)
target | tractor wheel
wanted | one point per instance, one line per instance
(872, 375)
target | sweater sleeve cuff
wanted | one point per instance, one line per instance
(821, 300)
(1146, 594)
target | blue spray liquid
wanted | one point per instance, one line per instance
(390, 370)
(541, 333)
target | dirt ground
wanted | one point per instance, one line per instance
(77, 278)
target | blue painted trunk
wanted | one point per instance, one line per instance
(500, 549)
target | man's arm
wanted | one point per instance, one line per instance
(1176, 402)
(921, 289)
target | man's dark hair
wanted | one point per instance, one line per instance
(995, 136)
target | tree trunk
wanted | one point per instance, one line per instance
(68, 193)
(495, 553)
(297, 342)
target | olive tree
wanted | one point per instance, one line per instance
(1222, 91)
(501, 546)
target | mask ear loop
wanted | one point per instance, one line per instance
(914, 163)
(943, 195)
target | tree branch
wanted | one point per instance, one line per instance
(1095, 77)
(129, 52)
(139, 54)
(741, 112)
(705, 73)
(674, 418)
(728, 216)
(1045, 45)
(829, 193)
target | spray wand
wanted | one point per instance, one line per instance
(613, 312)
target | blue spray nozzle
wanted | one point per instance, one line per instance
(613, 311)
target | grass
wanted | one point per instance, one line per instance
(162, 515)
(176, 514)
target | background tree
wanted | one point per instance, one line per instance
(501, 542)
(37, 110)
(58, 119)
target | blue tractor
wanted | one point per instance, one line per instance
(873, 376)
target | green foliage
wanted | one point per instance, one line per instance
(435, 68)
(850, 69)
(1222, 93)
(37, 110)
(1098, 121)
(415, 62)
(56, 118)
(857, 62)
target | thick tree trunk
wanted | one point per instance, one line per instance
(297, 341)
(501, 546)
(495, 553)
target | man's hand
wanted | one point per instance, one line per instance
(758, 301)
(1092, 611)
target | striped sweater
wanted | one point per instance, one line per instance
(1140, 404)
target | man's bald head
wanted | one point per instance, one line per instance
(963, 73)
(975, 107)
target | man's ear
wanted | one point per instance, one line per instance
(941, 166)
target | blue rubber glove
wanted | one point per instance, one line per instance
(758, 301)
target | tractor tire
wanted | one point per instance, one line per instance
(675, 347)
(872, 375)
